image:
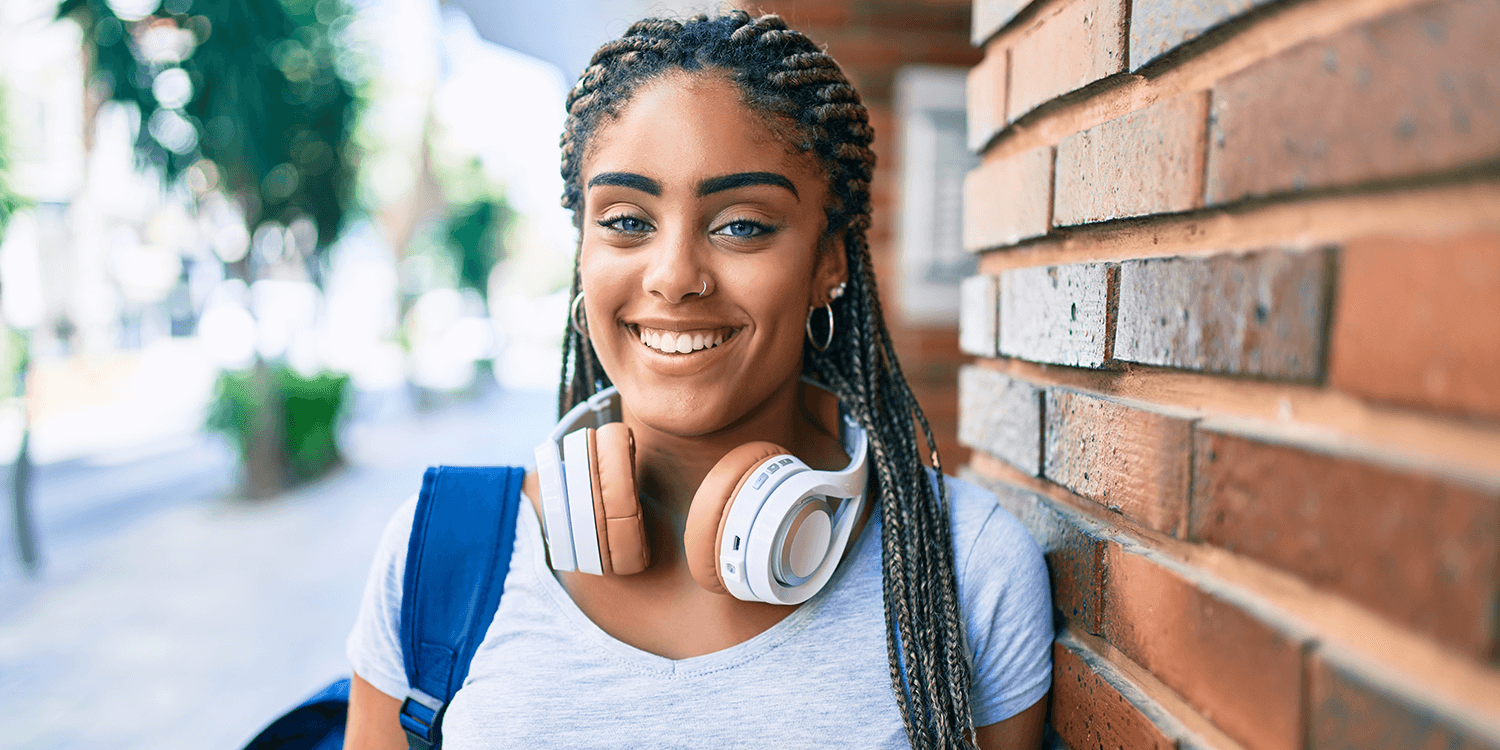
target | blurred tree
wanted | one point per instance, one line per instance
(15, 358)
(475, 237)
(264, 89)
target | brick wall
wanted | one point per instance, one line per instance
(1236, 361)
(872, 39)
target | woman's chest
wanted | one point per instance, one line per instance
(545, 678)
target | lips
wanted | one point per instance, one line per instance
(682, 342)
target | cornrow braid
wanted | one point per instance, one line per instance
(782, 73)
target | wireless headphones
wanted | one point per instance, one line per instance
(760, 528)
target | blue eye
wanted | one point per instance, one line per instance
(627, 224)
(743, 228)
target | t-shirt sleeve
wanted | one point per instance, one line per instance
(1007, 603)
(374, 645)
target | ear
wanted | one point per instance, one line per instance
(831, 270)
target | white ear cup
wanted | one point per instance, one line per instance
(549, 472)
(578, 476)
(782, 539)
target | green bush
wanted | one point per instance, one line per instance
(306, 416)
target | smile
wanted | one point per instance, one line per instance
(683, 342)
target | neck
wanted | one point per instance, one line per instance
(670, 467)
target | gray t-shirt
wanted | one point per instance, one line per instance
(547, 676)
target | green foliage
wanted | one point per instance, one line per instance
(10, 202)
(307, 414)
(474, 236)
(272, 105)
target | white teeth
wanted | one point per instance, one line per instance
(671, 342)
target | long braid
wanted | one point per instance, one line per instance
(782, 73)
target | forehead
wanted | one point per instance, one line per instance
(685, 126)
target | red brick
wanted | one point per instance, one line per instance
(1410, 93)
(1001, 416)
(1089, 710)
(1058, 314)
(1072, 544)
(1241, 673)
(1147, 162)
(1261, 313)
(1416, 548)
(1129, 460)
(1418, 323)
(1350, 711)
(1079, 44)
(1008, 200)
(991, 15)
(986, 98)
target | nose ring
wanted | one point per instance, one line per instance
(705, 289)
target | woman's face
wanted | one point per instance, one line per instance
(689, 187)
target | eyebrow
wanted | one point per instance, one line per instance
(745, 179)
(628, 180)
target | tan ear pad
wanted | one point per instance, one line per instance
(705, 522)
(614, 462)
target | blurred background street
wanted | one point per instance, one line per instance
(173, 614)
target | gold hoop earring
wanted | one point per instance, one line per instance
(828, 307)
(580, 327)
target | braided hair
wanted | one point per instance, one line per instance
(785, 76)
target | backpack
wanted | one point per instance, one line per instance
(456, 562)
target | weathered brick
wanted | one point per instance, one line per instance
(1058, 314)
(1072, 544)
(1129, 460)
(1259, 313)
(1418, 323)
(978, 315)
(1095, 708)
(1158, 26)
(1147, 162)
(1008, 200)
(1416, 548)
(1079, 44)
(991, 15)
(1350, 711)
(1409, 93)
(1000, 416)
(1241, 673)
(986, 98)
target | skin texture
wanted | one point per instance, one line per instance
(668, 208)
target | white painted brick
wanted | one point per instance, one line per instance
(1001, 416)
(978, 315)
(1057, 314)
(1258, 314)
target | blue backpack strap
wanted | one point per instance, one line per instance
(456, 561)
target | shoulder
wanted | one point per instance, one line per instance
(986, 537)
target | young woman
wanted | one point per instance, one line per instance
(719, 171)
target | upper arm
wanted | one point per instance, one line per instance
(1020, 732)
(1006, 597)
(374, 721)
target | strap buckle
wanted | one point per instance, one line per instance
(419, 718)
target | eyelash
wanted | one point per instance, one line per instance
(760, 229)
(613, 223)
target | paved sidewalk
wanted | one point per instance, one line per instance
(191, 623)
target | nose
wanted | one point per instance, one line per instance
(674, 266)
